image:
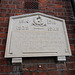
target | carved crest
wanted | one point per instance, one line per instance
(38, 21)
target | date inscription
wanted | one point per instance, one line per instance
(21, 28)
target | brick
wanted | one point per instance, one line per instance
(29, 67)
(3, 41)
(1, 29)
(68, 14)
(51, 5)
(4, 2)
(1, 68)
(14, 73)
(16, 2)
(3, 61)
(6, 14)
(66, 72)
(55, 73)
(44, 5)
(55, 2)
(55, 13)
(51, 67)
(67, 26)
(64, 66)
(18, 14)
(7, 68)
(73, 53)
(48, 2)
(35, 73)
(70, 65)
(72, 22)
(5, 29)
(73, 35)
(15, 10)
(40, 4)
(26, 73)
(72, 47)
(49, 9)
(13, 67)
(4, 74)
(42, 1)
(18, 68)
(1, 19)
(59, 66)
(10, 2)
(7, 19)
(8, 10)
(64, 17)
(42, 8)
(0, 41)
(42, 67)
(3, 10)
(41, 73)
(72, 41)
(11, 6)
(3, 35)
(2, 47)
(59, 6)
(45, 73)
(69, 36)
(60, 14)
(3, 14)
(71, 59)
(3, 24)
(70, 31)
(67, 3)
(4, 6)
(72, 72)
(2, 54)
(40, 60)
(28, 60)
(72, 26)
(23, 11)
(19, 6)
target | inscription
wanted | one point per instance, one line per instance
(24, 21)
(53, 29)
(21, 28)
(36, 41)
(51, 22)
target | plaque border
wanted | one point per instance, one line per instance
(8, 53)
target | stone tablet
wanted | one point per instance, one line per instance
(35, 35)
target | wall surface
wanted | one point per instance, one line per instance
(41, 65)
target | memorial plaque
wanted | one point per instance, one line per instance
(35, 35)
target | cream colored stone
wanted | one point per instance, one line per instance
(16, 60)
(35, 35)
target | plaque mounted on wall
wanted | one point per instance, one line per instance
(37, 35)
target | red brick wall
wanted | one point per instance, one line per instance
(43, 65)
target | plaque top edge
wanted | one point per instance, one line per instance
(36, 13)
